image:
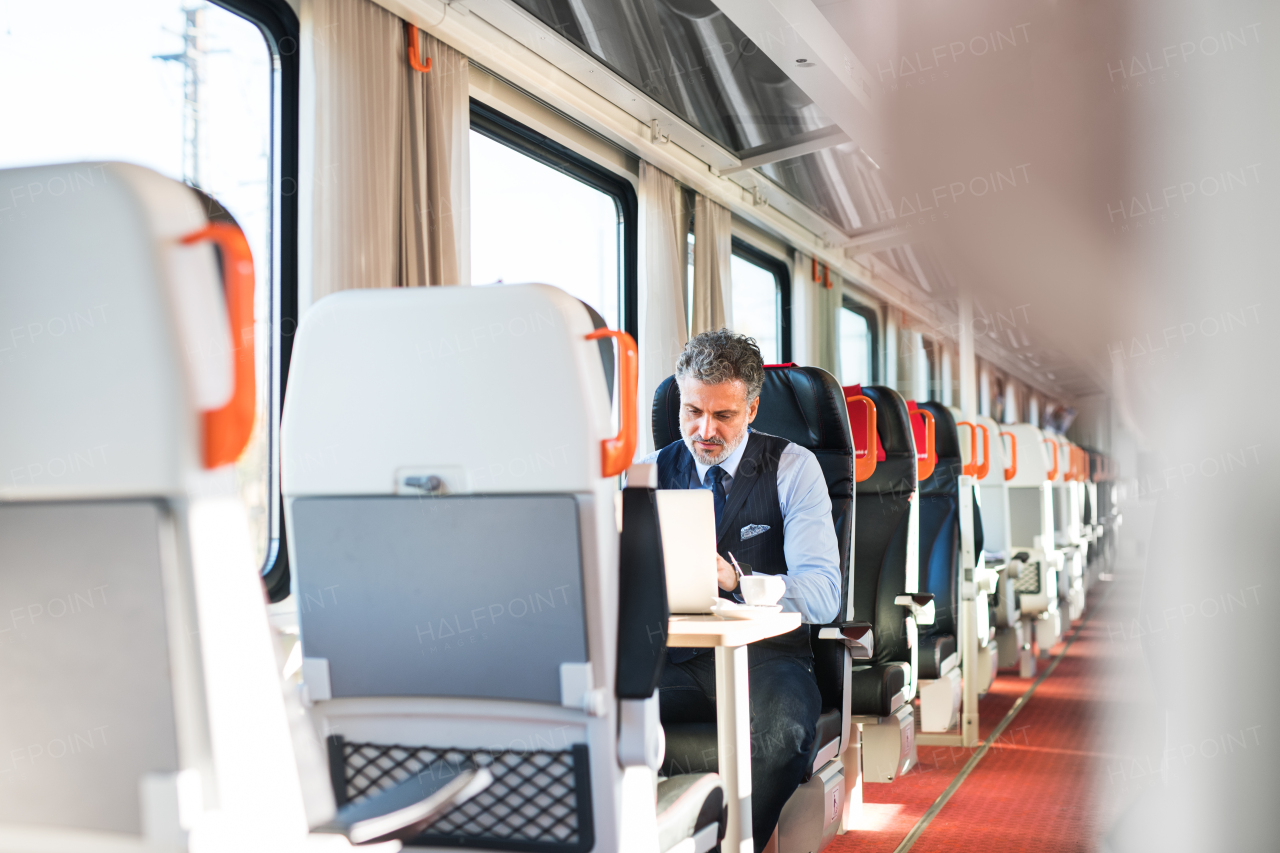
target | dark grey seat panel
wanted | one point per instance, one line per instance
(86, 697)
(468, 596)
(1024, 516)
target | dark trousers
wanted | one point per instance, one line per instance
(785, 705)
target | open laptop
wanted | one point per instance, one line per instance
(688, 521)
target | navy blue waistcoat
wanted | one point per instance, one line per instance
(752, 504)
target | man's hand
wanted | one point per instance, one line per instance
(725, 575)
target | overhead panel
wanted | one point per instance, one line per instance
(764, 91)
(801, 41)
(693, 60)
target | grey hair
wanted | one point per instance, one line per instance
(722, 356)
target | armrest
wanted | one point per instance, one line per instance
(404, 811)
(858, 636)
(921, 605)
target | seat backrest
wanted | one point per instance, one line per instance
(1030, 490)
(885, 548)
(455, 543)
(804, 405)
(940, 522)
(135, 637)
(995, 492)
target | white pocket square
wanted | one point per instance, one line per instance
(752, 530)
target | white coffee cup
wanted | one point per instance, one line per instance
(762, 589)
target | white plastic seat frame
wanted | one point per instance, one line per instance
(1031, 498)
(125, 342)
(1004, 622)
(1070, 537)
(476, 392)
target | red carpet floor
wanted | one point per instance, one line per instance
(1032, 789)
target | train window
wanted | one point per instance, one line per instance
(857, 330)
(688, 281)
(185, 90)
(931, 372)
(761, 300)
(540, 213)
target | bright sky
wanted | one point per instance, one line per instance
(530, 223)
(81, 84)
(755, 306)
(855, 349)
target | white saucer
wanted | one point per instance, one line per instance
(726, 609)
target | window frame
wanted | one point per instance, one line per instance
(278, 24)
(781, 271)
(507, 131)
(872, 316)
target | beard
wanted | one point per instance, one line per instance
(726, 448)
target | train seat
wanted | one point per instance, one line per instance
(886, 593)
(1069, 538)
(940, 563)
(1031, 530)
(940, 545)
(985, 453)
(805, 405)
(471, 565)
(136, 637)
(1002, 615)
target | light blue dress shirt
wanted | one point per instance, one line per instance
(808, 533)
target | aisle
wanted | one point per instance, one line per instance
(1032, 788)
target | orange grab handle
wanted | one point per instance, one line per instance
(415, 60)
(864, 458)
(616, 452)
(926, 461)
(1012, 470)
(226, 430)
(1053, 473)
(970, 468)
(981, 470)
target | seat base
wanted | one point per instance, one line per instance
(811, 817)
(940, 703)
(1009, 645)
(692, 813)
(888, 745)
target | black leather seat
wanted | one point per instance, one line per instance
(940, 542)
(880, 558)
(806, 406)
(691, 801)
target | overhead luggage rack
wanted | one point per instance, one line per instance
(540, 800)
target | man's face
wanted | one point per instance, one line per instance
(714, 418)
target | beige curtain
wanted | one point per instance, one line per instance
(663, 328)
(824, 315)
(448, 162)
(712, 249)
(358, 61)
(389, 143)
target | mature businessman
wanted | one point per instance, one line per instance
(771, 497)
